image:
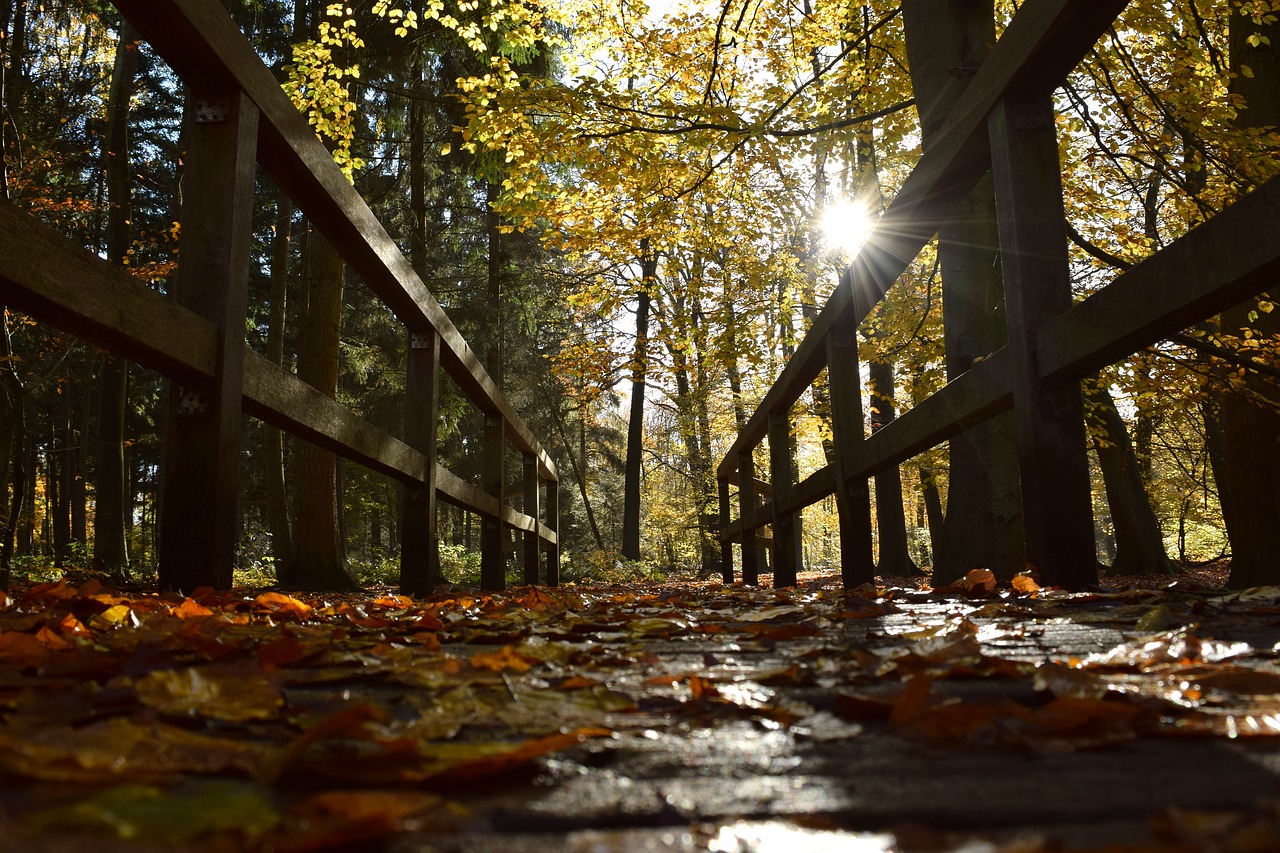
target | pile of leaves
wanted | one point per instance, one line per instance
(268, 721)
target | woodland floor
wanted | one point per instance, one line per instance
(683, 716)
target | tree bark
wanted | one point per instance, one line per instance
(272, 438)
(110, 549)
(1251, 416)
(317, 549)
(947, 40)
(635, 425)
(1139, 542)
(891, 522)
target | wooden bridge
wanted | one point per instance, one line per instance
(242, 119)
(1002, 123)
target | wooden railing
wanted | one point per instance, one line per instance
(1003, 122)
(242, 119)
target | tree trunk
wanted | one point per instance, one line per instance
(635, 426)
(894, 559)
(273, 475)
(946, 40)
(109, 546)
(1251, 420)
(1139, 542)
(317, 549)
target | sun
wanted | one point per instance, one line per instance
(846, 225)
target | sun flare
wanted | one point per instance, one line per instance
(846, 226)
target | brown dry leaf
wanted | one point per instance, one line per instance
(215, 691)
(21, 649)
(279, 603)
(504, 658)
(913, 700)
(190, 609)
(1025, 583)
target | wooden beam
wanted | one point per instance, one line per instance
(59, 282)
(747, 506)
(785, 534)
(552, 495)
(1221, 263)
(1048, 413)
(493, 557)
(726, 546)
(203, 45)
(1045, 39)
(531, 549)
(420, 571)
(201, 468)
(848, 434)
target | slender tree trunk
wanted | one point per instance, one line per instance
(317, 548)
(579, 477)
(80, 466)
(1139, 542)
(277, 499)
(946, 40)
(895, 559)
(635, 425)
(1251, 421)
(109, 545)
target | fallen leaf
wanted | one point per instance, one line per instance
(218, 692)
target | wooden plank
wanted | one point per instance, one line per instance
(552, 500)
(1045, 39)
(1221, 263)
(785, 533)
(532, 552)
(61, 283)
(58, 282)
(204, 46)
(1048, 412)
(420, 571)
(201, 461)
(747, 506)
(726, 545)
(853, 497)
(493, 558)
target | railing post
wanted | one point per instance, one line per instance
(1048, 413)
(493, 563)
(785, 541)
(419, 544)
(202, 430)
(531, 549)
(726, 545)
(853, 498)
(552, 498)
(747, 503)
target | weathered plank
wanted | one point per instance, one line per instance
(59, 282)
(853, 497)
(786, 541)
(493, 558)
(1048, 412)
(203, 45)
(747, 508)
(1222, 262)
(201, 461)
(419, 545)
(1045, 39)
(531, 496)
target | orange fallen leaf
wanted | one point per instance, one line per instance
(279, 603)
(190, 609)
(504, 658)
(913, 700)
(22, 649)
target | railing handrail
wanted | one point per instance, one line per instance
(198, 39)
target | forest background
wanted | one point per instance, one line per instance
(632, 214)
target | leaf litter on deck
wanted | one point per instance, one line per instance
(266, 718)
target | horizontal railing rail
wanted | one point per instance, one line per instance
(62, 284)
(1002, 122)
